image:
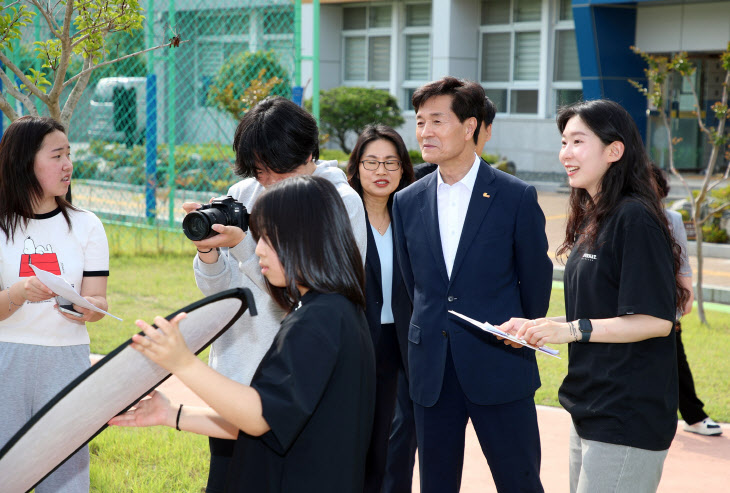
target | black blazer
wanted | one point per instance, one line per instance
(400, 301)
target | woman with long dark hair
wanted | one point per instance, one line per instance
(304, 422)
(622, 288)
(379, 166)
(42, 347)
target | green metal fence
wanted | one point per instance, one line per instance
(155, 130)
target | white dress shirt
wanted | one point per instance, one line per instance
(453, 202)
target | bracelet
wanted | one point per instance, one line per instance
(177, 420)
(207, 251)
(573, 332)
(12, 304)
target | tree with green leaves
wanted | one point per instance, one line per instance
(659, 72)
(350, 109)
(79, 29)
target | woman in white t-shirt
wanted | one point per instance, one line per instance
(42, 349)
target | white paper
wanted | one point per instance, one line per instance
(61, 287)
(493, 330)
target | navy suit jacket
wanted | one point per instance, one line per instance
(501, 270)
(400, 301)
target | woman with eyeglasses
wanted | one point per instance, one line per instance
(378, 167)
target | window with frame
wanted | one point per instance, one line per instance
(214, 45)
(417, 49)
(367, 32)
(510, 46)
(567, 86)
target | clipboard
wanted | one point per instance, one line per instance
(486, 327)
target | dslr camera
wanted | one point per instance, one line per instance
(226, 211)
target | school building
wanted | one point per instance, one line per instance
(531, 56)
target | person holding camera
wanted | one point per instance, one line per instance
(274, 140)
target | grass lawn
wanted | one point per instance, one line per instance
(142, 287)
(706, 350)
(161, 460)
(148, 459)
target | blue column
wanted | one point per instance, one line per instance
(151, 149)
(604, 31)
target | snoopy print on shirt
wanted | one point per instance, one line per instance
(41, 256)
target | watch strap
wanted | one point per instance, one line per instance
(586, 328)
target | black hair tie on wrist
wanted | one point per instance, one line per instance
(177, 420)
(207, 251)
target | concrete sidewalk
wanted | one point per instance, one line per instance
(695, 463)
(555, 207)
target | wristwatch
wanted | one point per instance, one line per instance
(585, 327)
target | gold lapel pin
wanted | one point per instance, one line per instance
(486, 195)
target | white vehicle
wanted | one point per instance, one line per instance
(116, 124)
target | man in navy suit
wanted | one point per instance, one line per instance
(471, 239)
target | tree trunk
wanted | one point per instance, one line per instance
(342, 139)
(698, 290)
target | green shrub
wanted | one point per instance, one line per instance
(495, 160)
(197, 167)
(247, 78)
(416, 157)
(713, 233)
(332, 154)
(685, 215)
(350, 109)
(506, 166)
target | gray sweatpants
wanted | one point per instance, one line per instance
(31, 376)
(598, 467)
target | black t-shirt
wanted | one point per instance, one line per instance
(624, 394)
(317, 388)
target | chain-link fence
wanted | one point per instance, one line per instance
(155, 130)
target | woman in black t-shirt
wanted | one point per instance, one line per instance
(621, 293)
(304, 422)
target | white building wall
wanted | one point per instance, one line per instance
(533, 145)
(689, 27)
(454, 38)
(330, 46)
(531, 142)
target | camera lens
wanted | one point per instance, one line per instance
(196, 226)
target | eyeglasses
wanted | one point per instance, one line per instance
(372, 165)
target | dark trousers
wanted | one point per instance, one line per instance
(221, 452)
(690, 406)
(387, 365)
(508, 435)
(402, 444)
